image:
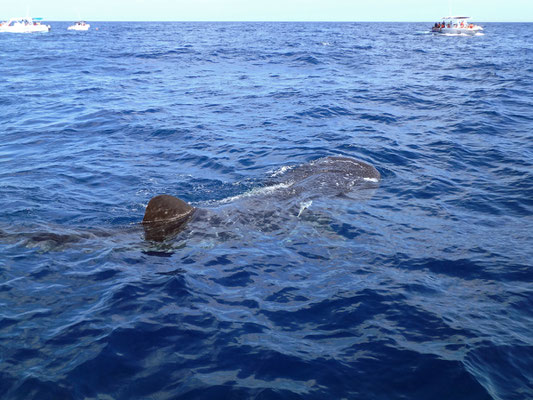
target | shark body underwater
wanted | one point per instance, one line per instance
(288, 193)
(271, 208)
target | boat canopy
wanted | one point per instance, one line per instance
(458, 17)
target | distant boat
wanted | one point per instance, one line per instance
(23, 25)
(79, 26)
(456, 26)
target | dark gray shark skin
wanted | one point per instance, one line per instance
(329, 177)
(284, 195)
(165, 216)
(48, 241)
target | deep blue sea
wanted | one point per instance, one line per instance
(420, 289)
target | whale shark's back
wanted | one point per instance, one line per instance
(291, 191)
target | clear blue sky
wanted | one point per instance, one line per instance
(268, 10)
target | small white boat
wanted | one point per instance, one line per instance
(23, 25)
(456, 26)
(79, 26)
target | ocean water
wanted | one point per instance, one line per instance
(419, 289)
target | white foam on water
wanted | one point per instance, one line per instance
(257, 192)
(304, 206)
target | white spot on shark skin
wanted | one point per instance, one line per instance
(177, 217)
(304, 206)
(282, 170)
(370, 180)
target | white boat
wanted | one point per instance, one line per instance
(23, 25)
(456, 26)
(79, 26)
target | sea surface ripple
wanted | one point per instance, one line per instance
(421, 291)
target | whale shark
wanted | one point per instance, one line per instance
(287, 196)
(289, 191)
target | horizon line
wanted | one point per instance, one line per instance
(262, 21)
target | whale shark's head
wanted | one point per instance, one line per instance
(165, 216)
(329, 177)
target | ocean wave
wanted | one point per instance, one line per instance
(388, 293)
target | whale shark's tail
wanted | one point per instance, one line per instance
(165, 216)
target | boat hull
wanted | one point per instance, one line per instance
(25, 29)
(458, 31)
(79, 28)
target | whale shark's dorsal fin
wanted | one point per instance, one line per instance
(166, 208)
(165, 216)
